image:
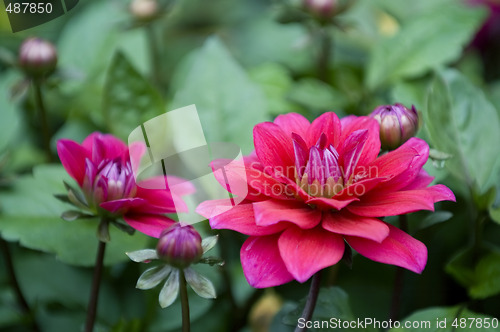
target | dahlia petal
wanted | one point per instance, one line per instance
(398, 249)
(240, 218)
(328, 124)
(292, 123)
(72, 157)
(104, 146)
(421, 181)
(162, 200)
(178, 186)
(247, 181)
(305, 252)
(402, 166)
(300, 150)
(329, 203)
(372, 145)
(346, 223)
(262, 263)
(135, 205)
(359, 188)
(274, 149)
(149, 224)
(271, 212)
(401, 202)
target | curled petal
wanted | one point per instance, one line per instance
(372, 145)
(398, 249)
(262, 263)
(104, 146)
(305, 252)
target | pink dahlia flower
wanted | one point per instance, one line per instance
(101, 166)
(314, 187)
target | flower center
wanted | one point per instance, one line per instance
(110, 180)
(317, 169)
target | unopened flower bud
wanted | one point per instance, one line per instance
(144, 10)
(323, 9)
(179, 245)
(397, 124)
(37, 57)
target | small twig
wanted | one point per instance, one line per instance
(324, 54)
(94, 292)
(184, 302)
(312, 297)
(15, 284)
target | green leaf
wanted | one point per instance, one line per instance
(495, 214)
(31, 215)
(463, 123)
(442, 319)
(333, 302)
(129, 99)
(228, 102)
(153, 276)
(275, 81)
(435, 218)
(201, 285)
(315, 94)
(209, 242)
(169, 292)
(481, 276)
(425, 41)
(140, 256)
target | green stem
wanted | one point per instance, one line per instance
(312, 298)
(37, 84)
(184, 302)
(398, 278)
(324, 54)
(94, 291)
(154, 50)
(11, 273)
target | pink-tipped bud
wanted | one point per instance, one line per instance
(179, 245)
(144, 10)
(37, 57)
(397, 124)
(323, 9)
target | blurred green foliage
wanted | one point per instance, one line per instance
(241, 66)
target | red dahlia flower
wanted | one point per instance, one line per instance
(101, 166)
(313, 187)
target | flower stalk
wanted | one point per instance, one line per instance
(184, 302)
(94, 291)
(312, 298)
(37, 86)
(325, 41)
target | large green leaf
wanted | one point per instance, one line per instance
(442, 319)
(423, 42)
(478, 272)
(228, 102)
(129, 99)
(463, 123)
(31, 215)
